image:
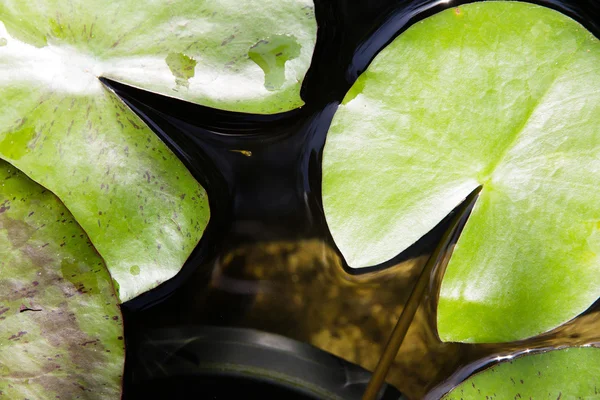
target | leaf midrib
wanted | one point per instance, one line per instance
(485, 175)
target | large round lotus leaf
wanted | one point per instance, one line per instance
(61, 334)
(500, 94)
(571, 373)
(140, 206)
(239, 55)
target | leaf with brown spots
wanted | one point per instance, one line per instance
(71, 135)
(80, 141)
(54, 341)
(573, 372)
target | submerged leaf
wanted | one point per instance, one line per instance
(500, 94)
(567, 373)
(61, 333)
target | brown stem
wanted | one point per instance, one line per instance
(398, 334)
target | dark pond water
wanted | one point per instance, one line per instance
(267, 260)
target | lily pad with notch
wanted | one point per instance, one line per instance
(140, 206)
(503, 95)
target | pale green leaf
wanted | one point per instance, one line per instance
(239, 55)
(137, 202)
(142, 209)
(61, 332)
(500, 94)
(571, 373)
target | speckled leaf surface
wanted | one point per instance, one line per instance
(139, 205)
(571, 373)
(500, 94)
(61, 333)
(239, 55)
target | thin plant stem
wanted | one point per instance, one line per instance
(399, 333)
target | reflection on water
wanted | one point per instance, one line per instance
(299, 289)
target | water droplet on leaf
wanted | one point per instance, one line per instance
(135, 270)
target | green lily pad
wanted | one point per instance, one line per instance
(238, 55)
(138, 203)
(61, 333)
(142, 209)
(500, 94)
(570, 373)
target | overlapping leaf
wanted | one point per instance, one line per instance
(570, 373)
(500, 94)
(142, 209)
(61, 333)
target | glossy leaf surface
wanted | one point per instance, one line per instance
(570, 373)
(61, 333)
(500, 94)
